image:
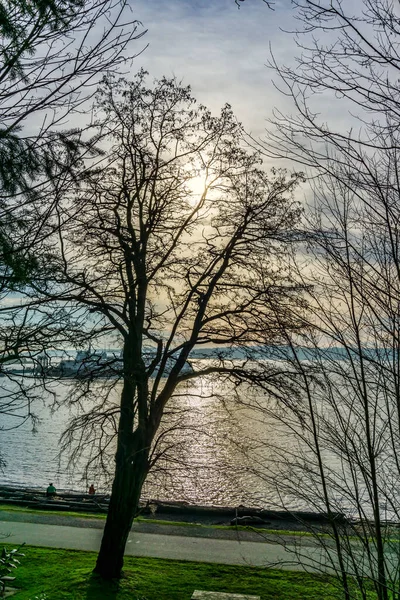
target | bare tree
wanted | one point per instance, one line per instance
(179, 242)
(53, 53)
(349, 55)
(269, 4)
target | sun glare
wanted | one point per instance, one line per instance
(196, 185)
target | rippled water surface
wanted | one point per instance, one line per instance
(224, 445)
(211, 447)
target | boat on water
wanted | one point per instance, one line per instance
(86, 363)
(89, 364)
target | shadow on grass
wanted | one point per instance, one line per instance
(99, 588)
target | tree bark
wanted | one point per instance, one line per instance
(124, 502)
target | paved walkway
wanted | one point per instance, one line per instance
(167, 546)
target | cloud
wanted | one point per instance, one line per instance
(219, 50)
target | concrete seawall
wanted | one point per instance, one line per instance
(169, 510)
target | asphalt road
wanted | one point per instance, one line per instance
(169, 546)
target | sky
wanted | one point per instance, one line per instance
(220, 50)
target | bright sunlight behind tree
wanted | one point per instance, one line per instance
(169, 268)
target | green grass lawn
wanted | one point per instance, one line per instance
(64, 513)
(67, 574)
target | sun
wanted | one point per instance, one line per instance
(196, 185)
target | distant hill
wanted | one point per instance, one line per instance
(285, 353)
(261, 352)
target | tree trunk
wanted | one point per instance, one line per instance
(126, 490)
